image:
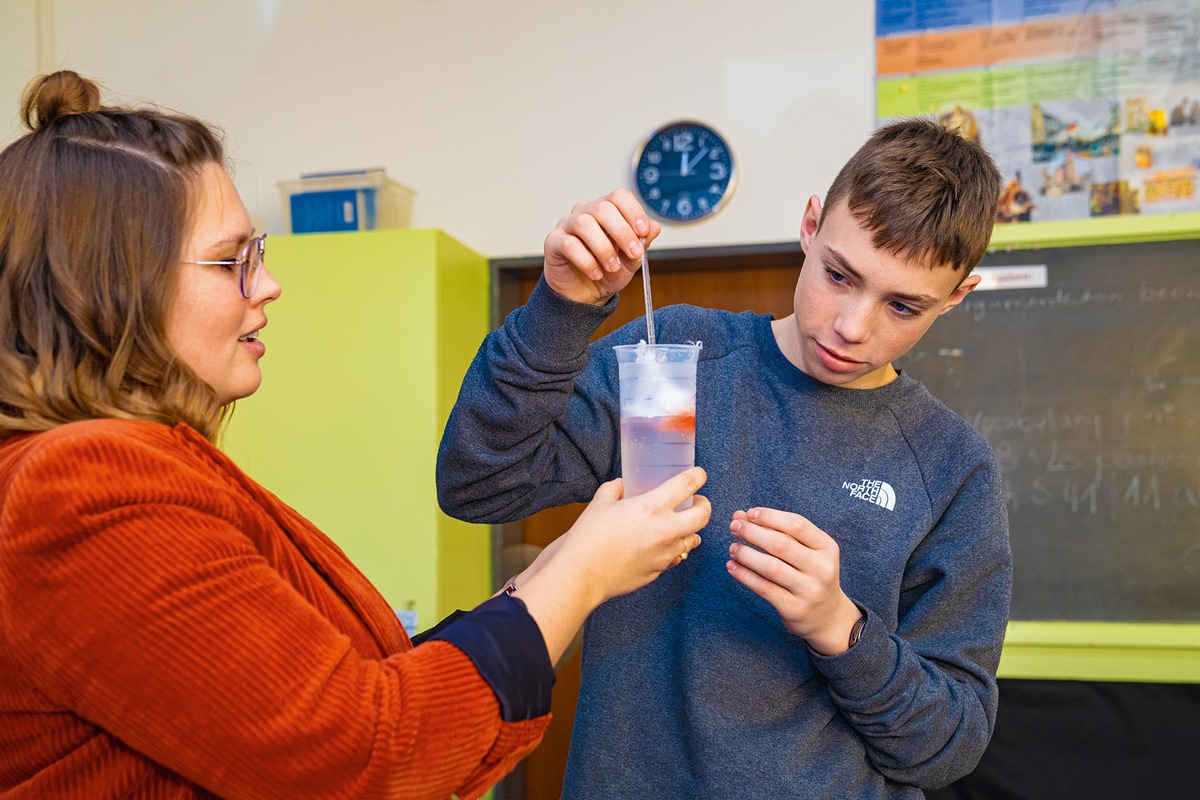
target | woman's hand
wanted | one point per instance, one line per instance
(622, 543)
(593, 252)
(618, 544)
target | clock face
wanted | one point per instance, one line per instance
(684, 172)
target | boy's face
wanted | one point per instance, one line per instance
(858, 308)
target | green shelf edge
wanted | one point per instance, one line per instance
(1147, 652)
(1117, 229)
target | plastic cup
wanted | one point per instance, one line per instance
(658, 413)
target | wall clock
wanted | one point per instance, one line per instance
(684, 172)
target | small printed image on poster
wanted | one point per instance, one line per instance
(1064, 173)
(1113, 197)
(1173, 187)
(963, 120)
(1088, 128)
(1185, 113)
(1016, 200)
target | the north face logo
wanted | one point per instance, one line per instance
(878, 492)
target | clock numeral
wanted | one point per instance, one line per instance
(650, 174)
(682, 141)
(717, 171)
(684, 207)
(654, 157)
(654, 193)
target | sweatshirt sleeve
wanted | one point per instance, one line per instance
(132, 597)
(924, 697)
(529, 429)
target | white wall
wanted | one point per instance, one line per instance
(499, 114)
(18, 60)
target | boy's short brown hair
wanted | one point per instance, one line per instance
(924, 192)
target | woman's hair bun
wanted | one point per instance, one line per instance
(58, 94)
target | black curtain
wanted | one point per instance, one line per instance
(1080, 739)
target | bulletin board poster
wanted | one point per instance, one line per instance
(1089, 108)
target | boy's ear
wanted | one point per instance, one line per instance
(810, 222)
(959, 294)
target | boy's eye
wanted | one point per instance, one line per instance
(835, 276)
(904, 310)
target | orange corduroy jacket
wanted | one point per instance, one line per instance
(170, 629)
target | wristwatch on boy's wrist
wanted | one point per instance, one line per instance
(856, 631)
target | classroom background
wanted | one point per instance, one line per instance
(499, 116)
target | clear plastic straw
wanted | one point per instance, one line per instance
(646, 291)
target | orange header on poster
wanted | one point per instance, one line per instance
(966, 48)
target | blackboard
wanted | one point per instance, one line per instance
(1088, 389)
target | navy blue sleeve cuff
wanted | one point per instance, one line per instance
(507, 648)
(424, 635)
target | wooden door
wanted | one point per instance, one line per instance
(755, 277)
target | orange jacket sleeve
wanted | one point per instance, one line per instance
(180, 615)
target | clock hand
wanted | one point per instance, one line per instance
(703, 152)
(683, 163)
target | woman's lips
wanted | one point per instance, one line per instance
(254, 346)
(251, 342)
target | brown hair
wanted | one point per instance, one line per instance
(94, 213)
(923, 191)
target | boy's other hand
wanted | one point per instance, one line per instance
(593, 252)
(796, 567)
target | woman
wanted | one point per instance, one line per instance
(168, 628)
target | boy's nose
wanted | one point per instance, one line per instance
(854, 322)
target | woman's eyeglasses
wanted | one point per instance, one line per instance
(248, 264)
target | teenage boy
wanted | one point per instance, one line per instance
(838, 634)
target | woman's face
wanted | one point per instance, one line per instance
(210, 326)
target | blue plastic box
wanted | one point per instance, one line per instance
(356, 200)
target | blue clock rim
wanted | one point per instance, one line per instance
(684, 123)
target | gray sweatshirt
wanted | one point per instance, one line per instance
(691, 686)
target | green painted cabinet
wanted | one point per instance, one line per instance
(366, 349)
